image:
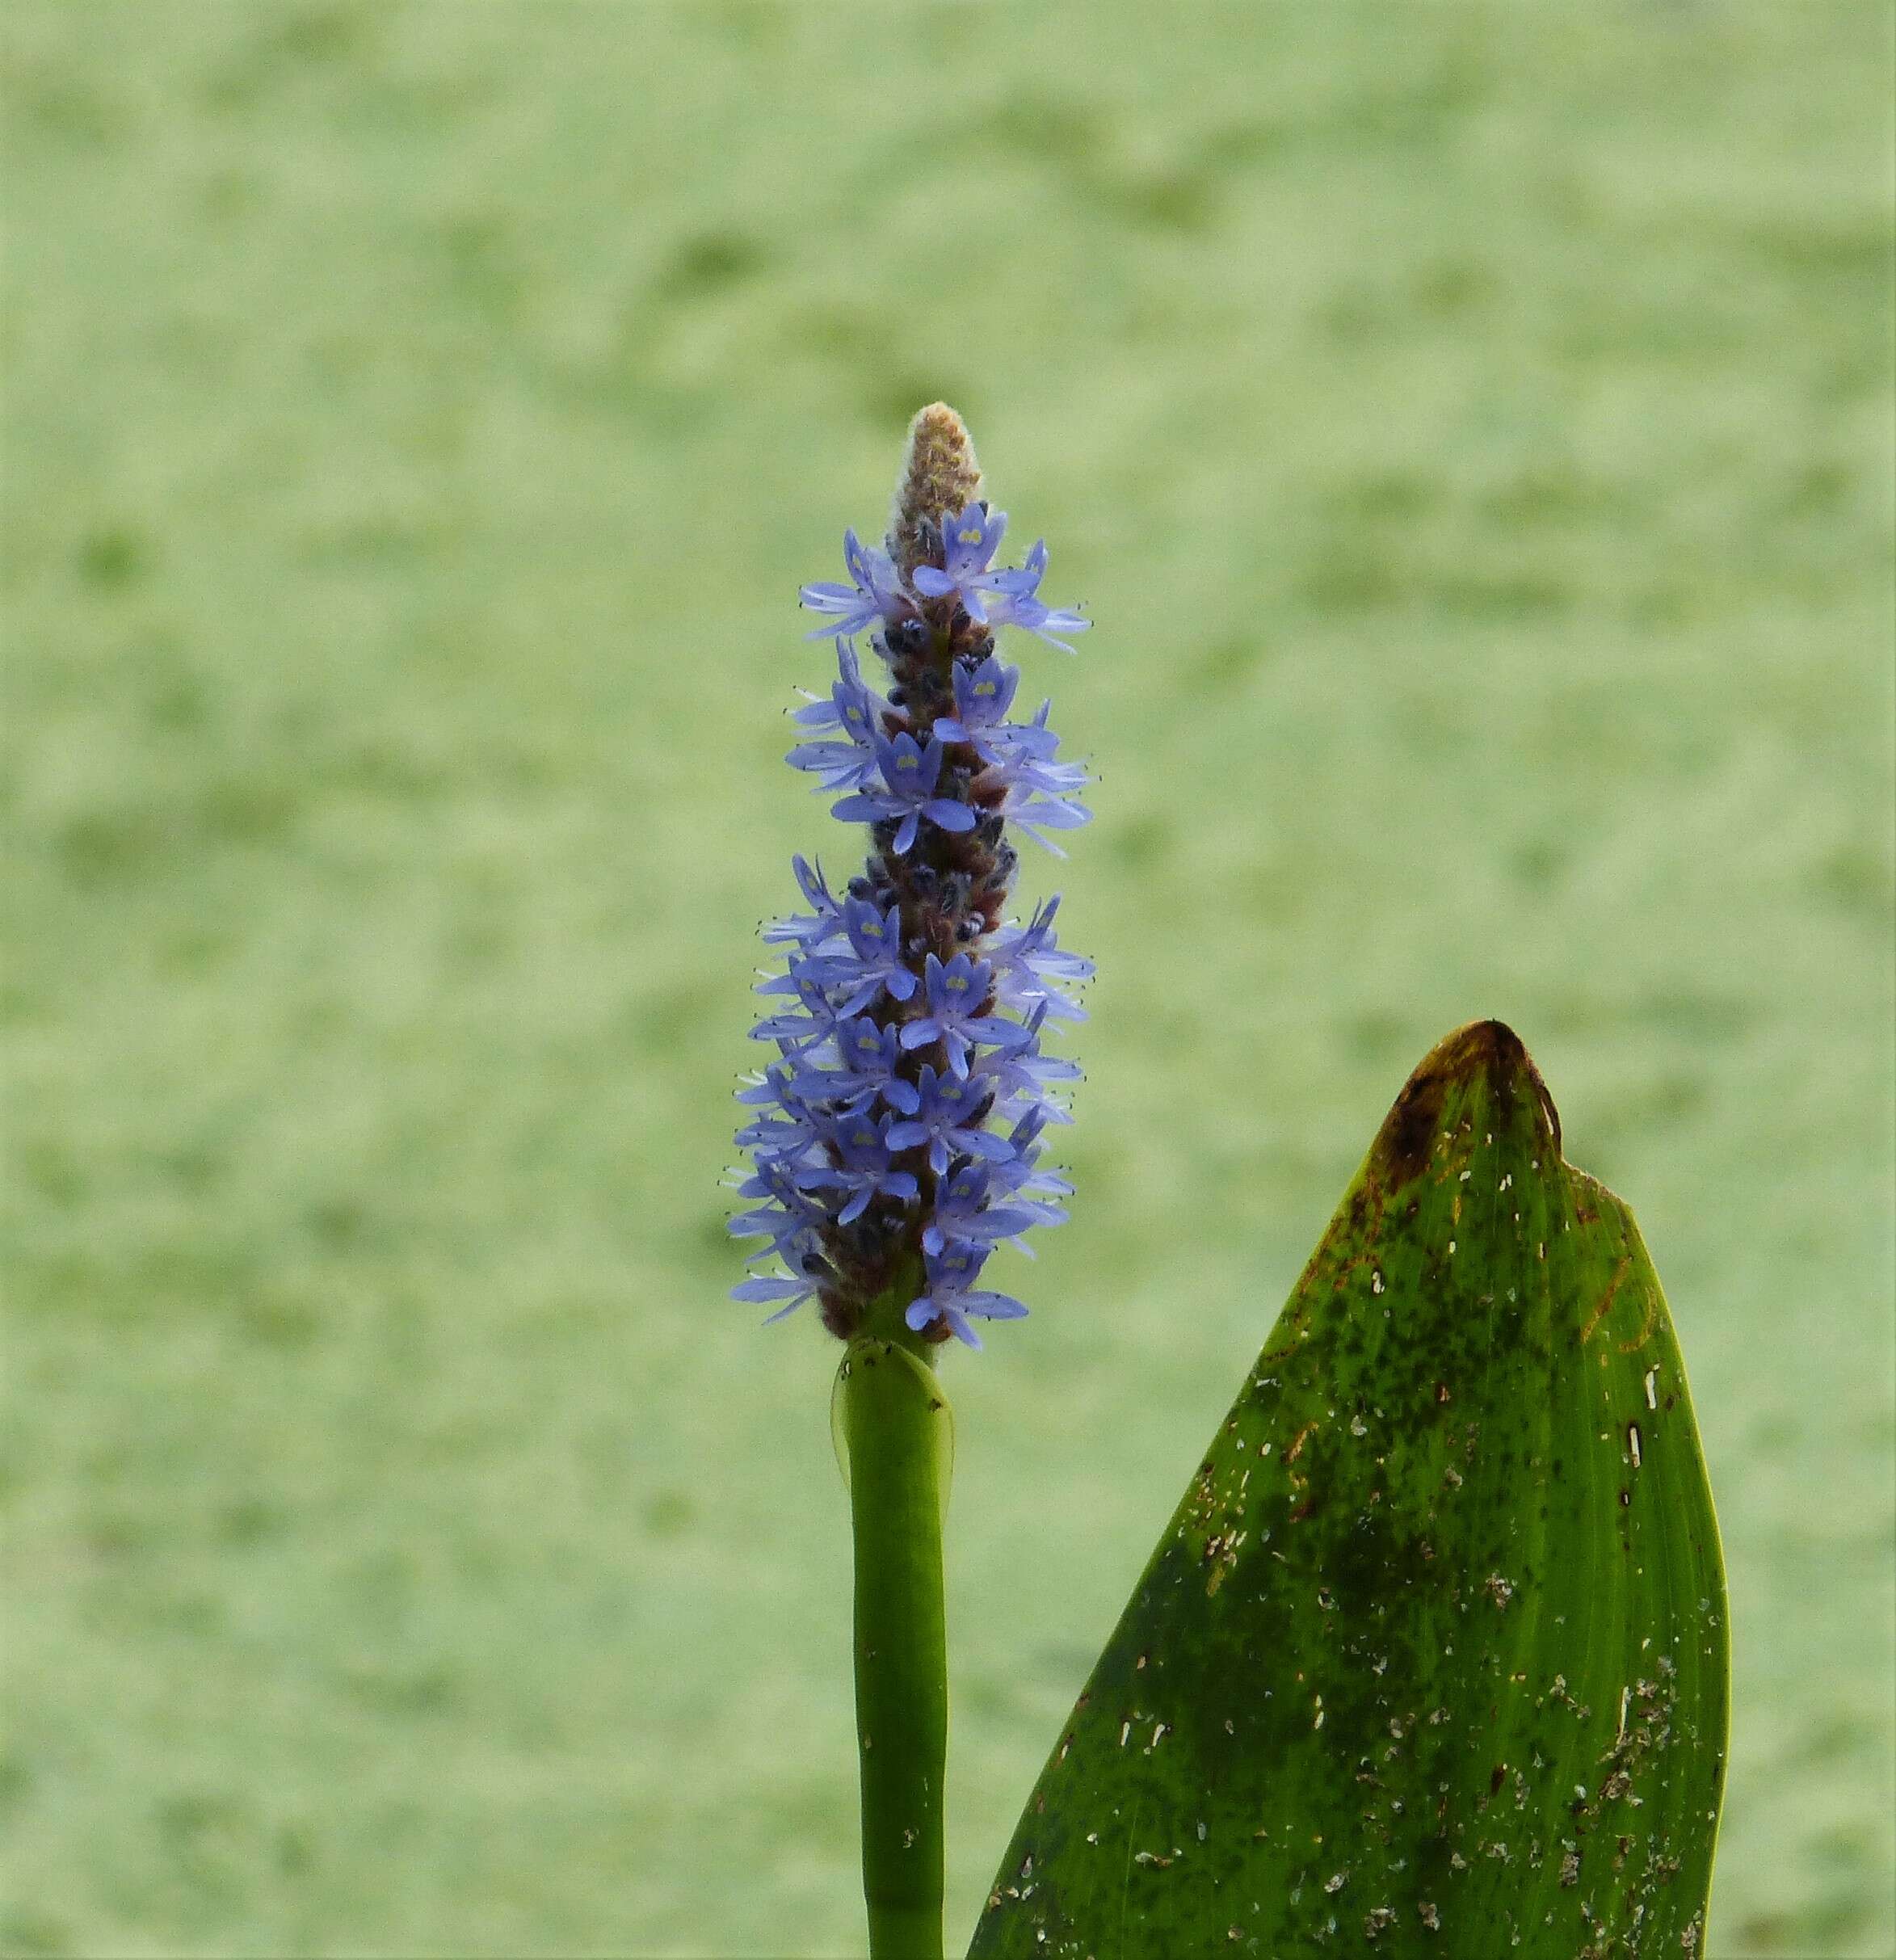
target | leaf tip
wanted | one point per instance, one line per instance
(1484, 1060)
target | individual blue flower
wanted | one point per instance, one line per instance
(766, 1286)
(812, 1269)
(774, 1093)
(948, 1119)
(1021, 1167)
(1023, 768)
(1023, 1077)
(874, 592)
(862, 1169)
(868, 963)
(788, 1213)
(1031, 966)
(951, 1297)
(798, 1031)
(810, 928)
(983, 694)
(855, 712)
(909, 773)
(969, 544)
(788, 1141)
(1007, 743)
(956, 1014)
(867, 1057)
(1016, 602)
(771, 1088)
(1036, 792)
(964, 1210)
(875, 938)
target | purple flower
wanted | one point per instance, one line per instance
(872, 965)
(1029, 967)
(772, 1088)
(863, 1170)
(969, 544)
(1037, 792)
(951, 1297)
(1016, 742)
(798, 1031)
(1023, 1169)
(805, 929)
(808, 1260)
(788, 1143)
(1017, 603)
(867, 1058)
(1024, 1077)
(947, 1121)
(957, 994)
(786, 1214)
(964, 1210)
(983, 694)
(874, 592)
(856, 712)
(1032, 770)
(875, 937)
(909, 774)
(793, 1293)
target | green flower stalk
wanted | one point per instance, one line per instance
(895, 1138)
(894, 1418)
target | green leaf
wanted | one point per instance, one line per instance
(1432, 1658)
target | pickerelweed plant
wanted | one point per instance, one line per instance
(896, 1137)
(1432, 1656)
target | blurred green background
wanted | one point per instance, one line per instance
(1471, 429)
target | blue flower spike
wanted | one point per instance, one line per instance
(893, 1141)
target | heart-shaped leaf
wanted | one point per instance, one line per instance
(1432, 1658)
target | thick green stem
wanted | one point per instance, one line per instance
(894, 1418)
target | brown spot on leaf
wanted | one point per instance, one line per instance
(1606, 1299)
(1401, 1150)
(1648, 1323)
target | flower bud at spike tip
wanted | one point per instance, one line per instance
(939, 479)
(894, 1134)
